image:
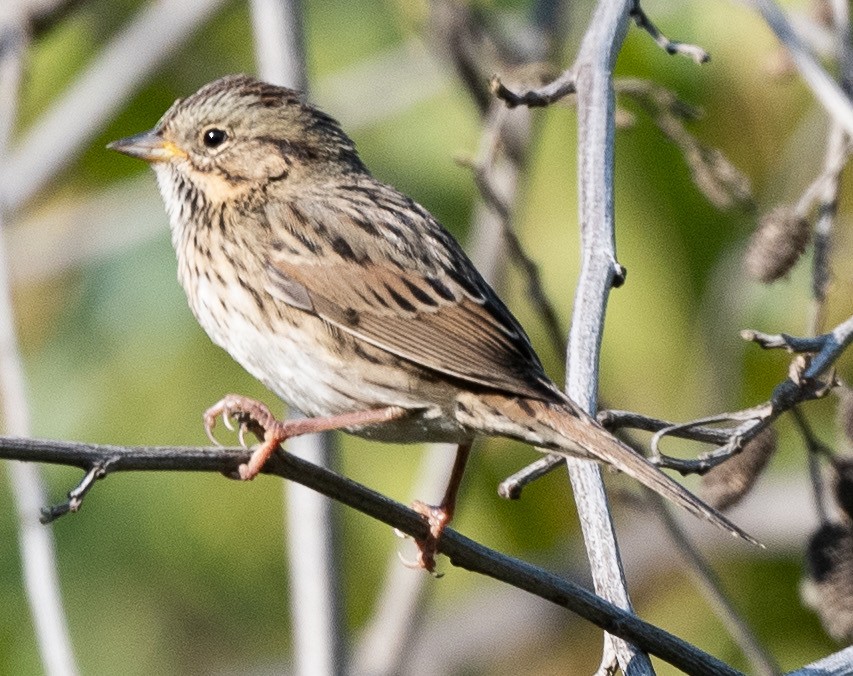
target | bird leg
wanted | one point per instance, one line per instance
(438, 516)
(254, 416)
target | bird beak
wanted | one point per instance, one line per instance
(148, 146)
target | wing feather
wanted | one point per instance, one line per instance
(432, 308)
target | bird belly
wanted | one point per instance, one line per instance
(320, 372)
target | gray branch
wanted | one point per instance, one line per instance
(590, 77)
(462, 551)
(593, 70)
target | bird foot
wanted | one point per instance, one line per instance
(253, 416)
(437, 517)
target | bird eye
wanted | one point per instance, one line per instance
(214, 137)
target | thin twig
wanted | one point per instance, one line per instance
(792, 344)
(462, 551)
(816, 449)
(694, 52)
(825, 350)
(512, 487)
(75, 495)
(803, 384)
(717, 178)
(540, 96)
(484, 170)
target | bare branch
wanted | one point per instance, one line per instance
(827, 348)
(803, 384)
(783, 340)
(599, 270)
(540, 96)
(511, 487)
(694, 52)
(75, 495)
(462, 551)
(614, 419)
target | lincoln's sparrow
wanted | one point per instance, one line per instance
(345, 297)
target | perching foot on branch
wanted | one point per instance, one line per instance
(251, 415)
(437, 516)
(254, 416)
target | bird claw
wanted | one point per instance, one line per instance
(420, 564)
(250, 415)
(437, 518)
(209, 424)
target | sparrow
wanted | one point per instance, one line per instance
(347, 298)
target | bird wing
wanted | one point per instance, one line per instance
(401, 283)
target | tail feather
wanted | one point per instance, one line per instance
(564, 428)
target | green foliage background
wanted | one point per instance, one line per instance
(180, 573)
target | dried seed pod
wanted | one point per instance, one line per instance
(828, 586)
(777, 244)
(729, 481)
(842, 481)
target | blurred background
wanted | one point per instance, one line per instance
(185, 573)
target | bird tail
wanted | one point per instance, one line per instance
(564, 428)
